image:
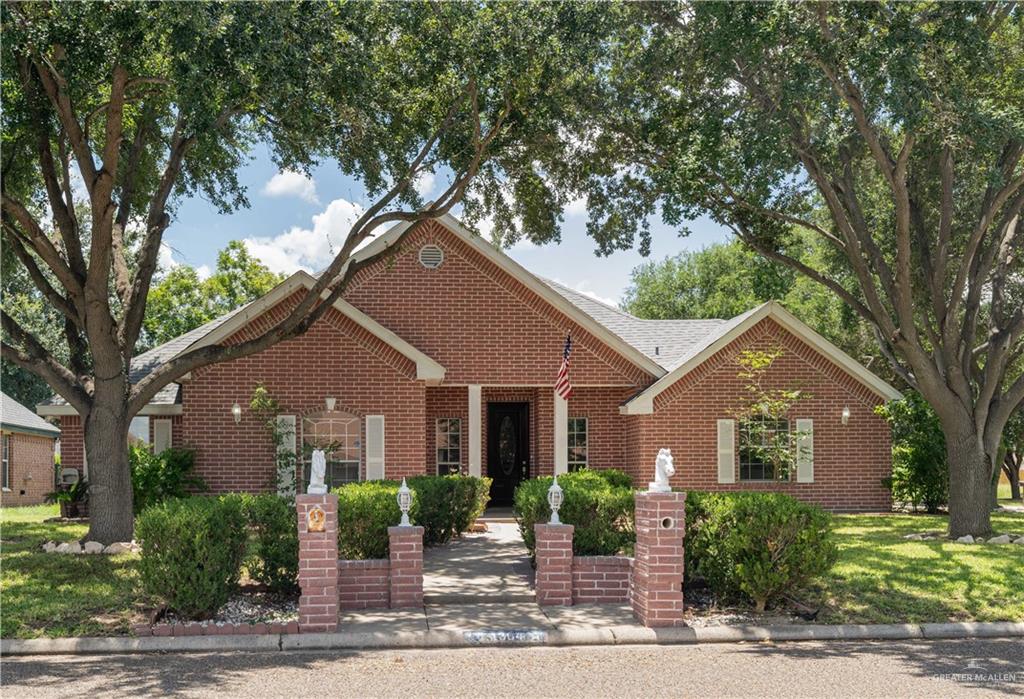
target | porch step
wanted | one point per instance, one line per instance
(457, 598)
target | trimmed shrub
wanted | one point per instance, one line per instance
(365, 511)
(274, 541)
(448, 505)
(758, 546)
(601, 513)
(920, 472)
(615, 477)
(158, 477)
(192, 552)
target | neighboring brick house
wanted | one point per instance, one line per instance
(27, 467)
(442, 357)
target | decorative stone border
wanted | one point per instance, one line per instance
(968, 539)
(91, 547)
(211, 628)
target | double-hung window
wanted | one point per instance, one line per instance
(765, 446)
(577, 443)
(449, 445)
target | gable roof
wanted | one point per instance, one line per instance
(643, 402)
(166, 401)
(530, 281)
(15, 417)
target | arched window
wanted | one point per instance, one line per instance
(339, 436)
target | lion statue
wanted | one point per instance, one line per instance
(663, 470)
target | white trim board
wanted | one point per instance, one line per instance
(643, 402)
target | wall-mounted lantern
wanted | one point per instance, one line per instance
(330, 403)
(846, 414)
(236, 412)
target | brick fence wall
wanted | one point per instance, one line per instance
(364, 584)
(601, 579)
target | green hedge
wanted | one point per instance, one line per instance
(758, 546)
(599, 504)
(445, 506)
(192, 552)
(448, 505)
(273, 557)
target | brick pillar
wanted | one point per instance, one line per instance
(657, 590)
(318, 564)
(405, 547)
(554, 564)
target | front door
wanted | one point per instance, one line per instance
(508, 448)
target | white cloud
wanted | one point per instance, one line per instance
(203, 272)
(289, 183)
(424, 184)
(165, 258)
(310, 249)
(582, 288)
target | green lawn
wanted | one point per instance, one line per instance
(45, 594)
(881, 577)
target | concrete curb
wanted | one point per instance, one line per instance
(570, 636)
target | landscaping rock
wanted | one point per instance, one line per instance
(966, 539)
(118, 547)
(914, 537)
(979, 540)
(74, 547)
(1019, 541)
(93, 547)
(63, 548)
(50, 547)
(1002, 539)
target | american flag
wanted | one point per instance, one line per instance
(562, 385)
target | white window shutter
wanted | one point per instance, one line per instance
(805, 451)
(374, 447)
(161, 436)
(726, 451)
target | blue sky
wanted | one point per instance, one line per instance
(296, 222)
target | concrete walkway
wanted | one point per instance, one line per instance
(487, 568)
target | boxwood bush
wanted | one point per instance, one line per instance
(192, 552)
(598, 503)
(757, 546)
(448, 505)
(445, 506)
(273, 557)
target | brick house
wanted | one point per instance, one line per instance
(27, 468)
(442, 356)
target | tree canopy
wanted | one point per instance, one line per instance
(894, 132)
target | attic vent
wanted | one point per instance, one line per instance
(431, 256)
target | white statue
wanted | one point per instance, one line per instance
(663, 470)
(317, 471)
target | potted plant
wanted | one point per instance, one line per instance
(73, 500)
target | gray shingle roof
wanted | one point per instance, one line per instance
(665, 342)
(16, 417)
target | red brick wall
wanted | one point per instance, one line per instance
(850, 460)
(483, 325)
(72, 442)
(364, 584)
(335, 358)
(601, 579)
(31, 469)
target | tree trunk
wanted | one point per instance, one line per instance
(111, 515)
(1011, 467)
(970, 484)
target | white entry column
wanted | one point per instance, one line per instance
(561, 435)
(475, 431)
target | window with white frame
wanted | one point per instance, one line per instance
(577, 433)
(338, 435)
(449, 445)
(7, 462)
(765, 446)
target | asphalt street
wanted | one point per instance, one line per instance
(970, 668)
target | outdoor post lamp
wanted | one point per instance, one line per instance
(404, 503)
(555, 498)
(846, 414)
(236, 412)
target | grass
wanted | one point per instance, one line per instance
(54, 595)
(883, 578)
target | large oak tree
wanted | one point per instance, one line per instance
(115, 111)
(892, 131)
